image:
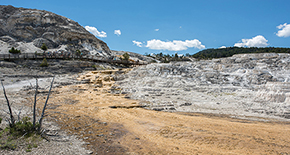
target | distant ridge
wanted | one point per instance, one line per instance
(230, 51)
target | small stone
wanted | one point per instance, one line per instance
(89, 152)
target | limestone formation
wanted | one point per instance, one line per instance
(242, 85)
(28, 29)
(134, 56)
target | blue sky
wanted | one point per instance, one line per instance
(176, 26)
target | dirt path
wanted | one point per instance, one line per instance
(113, 124)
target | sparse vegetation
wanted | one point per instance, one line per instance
(14, 51)
(44, 63)
(22, 130)
(28, 150)
(18, 134)
(23, 127)
(10, 141)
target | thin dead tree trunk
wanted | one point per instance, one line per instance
(43, 110)
(9, 107)
(34, 105)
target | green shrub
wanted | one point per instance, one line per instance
(0, 120)
(78, 52)
(14, 51)
(43, 47)
(28, 150)
(23, 127)
(126, 56)
(44, 63)
(35, 145)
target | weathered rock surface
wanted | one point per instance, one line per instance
(28, 29)
(242, 85)
(134, 56)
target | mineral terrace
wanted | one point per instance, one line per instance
(242, 85)
(236, 105)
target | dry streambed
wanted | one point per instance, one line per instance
(111, 123)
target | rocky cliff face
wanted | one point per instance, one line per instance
(28, 29)
(242, 85)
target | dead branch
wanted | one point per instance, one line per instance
(43, 110)
(34, 105)
(5, 111)
(9, 107)
(20, 113)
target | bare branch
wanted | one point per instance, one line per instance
(7, 120)
(5, 111)
(23, 135)
(30, 85)
(43, 110)
(34, 105)
(9, 107)
(20, 113)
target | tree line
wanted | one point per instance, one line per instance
(216, 53)
(166, 58)
(230, 51)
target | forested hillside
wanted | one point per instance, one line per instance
(230, 51)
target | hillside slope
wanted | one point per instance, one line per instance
(28, 29)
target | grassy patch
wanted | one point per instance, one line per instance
(22, 135)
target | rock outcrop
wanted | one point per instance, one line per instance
(242, 85)
(134, 56)
(28, 29)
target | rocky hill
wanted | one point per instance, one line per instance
(28, 29)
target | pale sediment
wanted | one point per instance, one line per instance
(242, 85)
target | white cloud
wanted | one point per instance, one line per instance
(156, 30)
(258, 41)
(139, 44)
(117, 32)
(175, 45)
(223, 47)
(95, 31)
(285, 30)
